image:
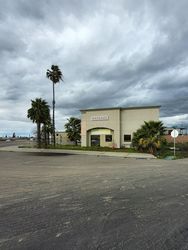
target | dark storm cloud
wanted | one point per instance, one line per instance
(10, 41)
(11, 9)
(112, 53)
(47, 10)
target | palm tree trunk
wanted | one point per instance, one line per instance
(48, 138)
(45, 136)
(38, 135)
(53, 122)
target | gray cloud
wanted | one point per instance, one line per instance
(125, 53)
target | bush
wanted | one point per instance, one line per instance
(149, 138)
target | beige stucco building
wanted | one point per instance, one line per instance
(114, 127)
(62, 138)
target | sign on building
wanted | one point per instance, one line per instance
(100, 118)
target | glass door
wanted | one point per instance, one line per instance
(95, 140)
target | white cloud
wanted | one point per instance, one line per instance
(181, 120)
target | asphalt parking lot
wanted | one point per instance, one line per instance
(68, 201)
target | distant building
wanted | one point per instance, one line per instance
(182, 137)
(181, 131)
(62, 138)
(114, 127)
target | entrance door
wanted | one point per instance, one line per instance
(95, 140)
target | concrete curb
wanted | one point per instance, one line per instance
(78, 152)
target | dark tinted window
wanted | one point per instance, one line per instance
(108, 138)
(127, 137)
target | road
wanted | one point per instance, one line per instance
(66, 201)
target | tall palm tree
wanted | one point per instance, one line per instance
(55, 75)
(39, 113)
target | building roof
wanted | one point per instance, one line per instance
(122, 108)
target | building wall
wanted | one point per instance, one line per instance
(113, 123)
(133, 119)
(62, 138)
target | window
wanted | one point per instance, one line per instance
(127, 138)
(108, 138)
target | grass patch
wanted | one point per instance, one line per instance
(25, 146)
(102, 149)
(168, 151)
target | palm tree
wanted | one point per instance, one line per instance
(46, 131)
(39, 113)
(150, 144)
(149, 137)
(73, 129)
(55, 75)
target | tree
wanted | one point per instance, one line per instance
(55, 75)
(39, 113)
(73, 129)
(149, 138)
(46, 131)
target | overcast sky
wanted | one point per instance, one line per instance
(111, 52)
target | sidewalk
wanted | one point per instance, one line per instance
(79, 152)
